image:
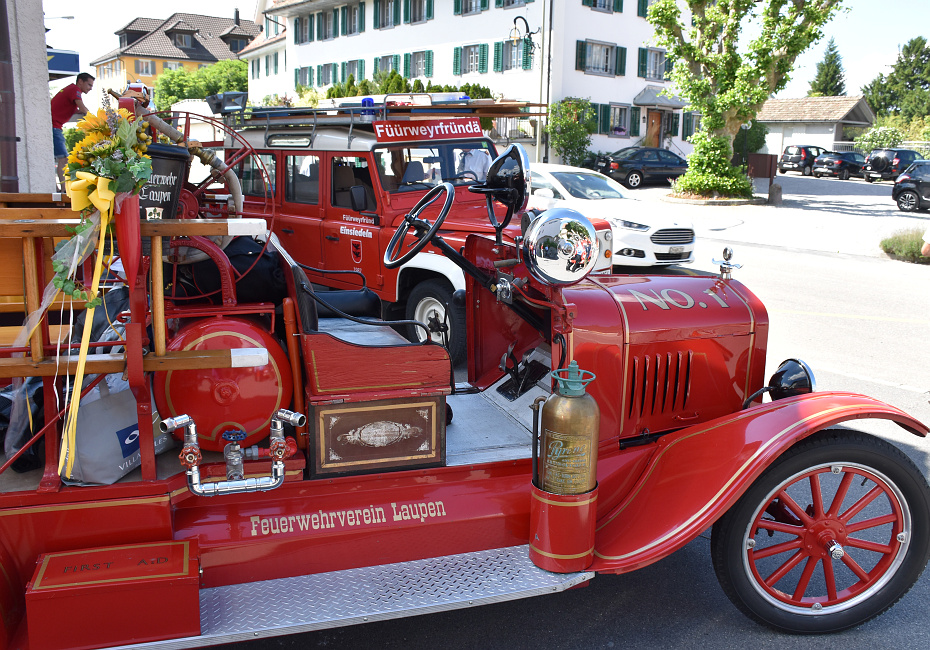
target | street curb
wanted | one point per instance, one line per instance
(668, 198)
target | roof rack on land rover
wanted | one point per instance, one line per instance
(357, 111)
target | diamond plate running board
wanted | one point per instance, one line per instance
(290, 605)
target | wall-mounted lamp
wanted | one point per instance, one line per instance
(526, 35)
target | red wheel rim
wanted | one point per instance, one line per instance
(827, 538)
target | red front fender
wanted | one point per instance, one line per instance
(697, 473)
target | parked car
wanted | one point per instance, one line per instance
(841, 164)
(911, 190)
(638, 240)
(799, 158)
(885, 164)
(634, 166)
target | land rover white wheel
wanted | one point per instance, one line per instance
(427, 304)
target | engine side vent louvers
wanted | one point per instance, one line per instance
(660, 383)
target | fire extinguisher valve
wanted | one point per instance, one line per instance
(190, 456)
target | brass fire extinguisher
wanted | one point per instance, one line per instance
(570, 422)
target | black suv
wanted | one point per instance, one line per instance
(799, 158)
(911, 190)
(885, 164)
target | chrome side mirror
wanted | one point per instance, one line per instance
(561, 247)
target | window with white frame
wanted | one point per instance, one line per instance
(325, 74)
(303, 76)
(418, 64)
(385, 12)
(513, 55)
(386, 63)
(600, 58)
(353, 19)
(471, 59)
(514, 3)
(352, 69)
(417, 11)
(171, 65)
(471, 7)
(604, 5)
(237, 44)
(272, 28)
(182, 40)
(655, 64)
(256, 68)
(619, 121)
(327, 25)
(145, 67)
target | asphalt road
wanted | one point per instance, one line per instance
(861, 320)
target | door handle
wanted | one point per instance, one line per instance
(289, 231)
(332, 238)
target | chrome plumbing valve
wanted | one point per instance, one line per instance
(278, 445)
(190, 453)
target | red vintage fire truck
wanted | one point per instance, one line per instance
(330, 472)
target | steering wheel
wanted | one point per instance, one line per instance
(424, 232)
(465, 174)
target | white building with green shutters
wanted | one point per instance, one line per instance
(602, 50)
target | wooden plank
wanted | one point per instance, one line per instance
(203, 227)
(29, 227)
(15, 197)
(14, 214)
(109, 363)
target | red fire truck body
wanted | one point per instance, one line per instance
(405, 491)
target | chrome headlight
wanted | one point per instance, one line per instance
(561, 246)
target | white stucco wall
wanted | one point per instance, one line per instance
(797, 133)
(35, 160)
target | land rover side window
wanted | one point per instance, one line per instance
(303, 179)
(404, 168)
(253, 180)
(348, 171)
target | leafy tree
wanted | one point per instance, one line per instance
(756, 139)
(906, 90)
(570, 125)
(225, 76)
(830, 80)
(728, 81)
(879, 138)
(72, 137)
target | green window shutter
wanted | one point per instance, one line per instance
(498, 3)
(374, 66)
(296, 76)
(342, 72)
(580, 48)
(484, 4)
(499, 55)
(483, 58)
(310, 77)
(396, 66)
(361, 17)
(406, 11)
(407, 65)
(675, 121)
(309, 20)
(643, 61)
(276, 63)
(634, 121)
(587, 3)
(527, 53)
(429, 63)
(457, 7)
(668, 66)
(642, 9)
(297, 31)
(429, 9)
(361, 69)
(319, 74)
(620, 70)
(397, 12)
(605, 118)
(457, 61)
(376, 16)
(344, 20)
(319, 26)
(618, 6)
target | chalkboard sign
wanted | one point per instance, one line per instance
(159, 197)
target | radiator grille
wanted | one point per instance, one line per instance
(660, 383)
(671, 236)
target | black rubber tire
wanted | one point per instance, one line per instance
(429, 297)
(824, 451)
(633, 180)
(908, 201)
(781, 171)
(844, 174)
(806, 171)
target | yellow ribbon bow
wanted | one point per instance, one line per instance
(90, 189)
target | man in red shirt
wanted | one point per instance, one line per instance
(64, 105)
